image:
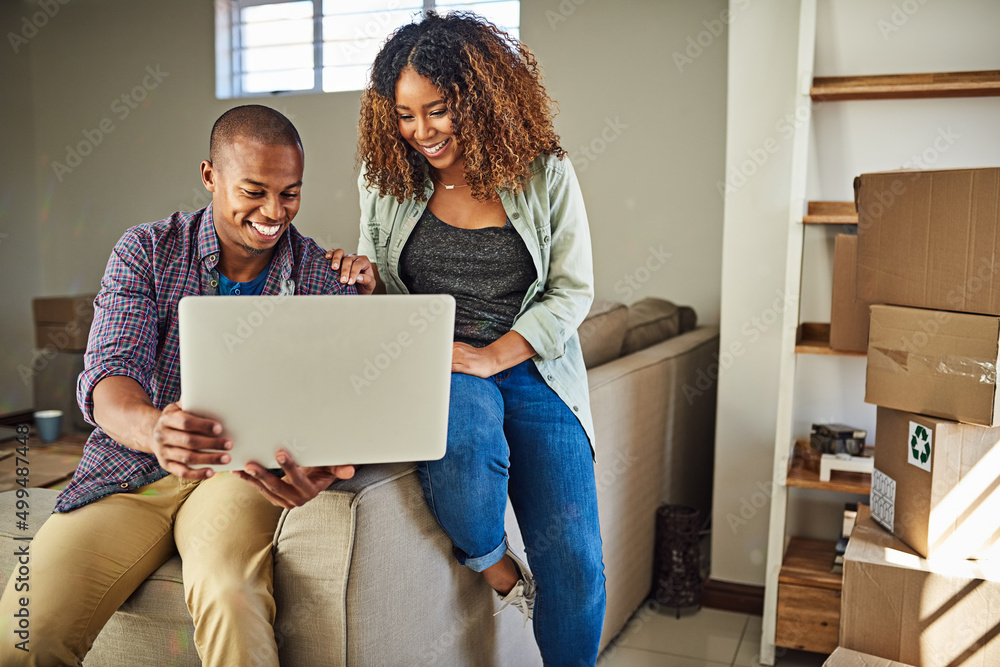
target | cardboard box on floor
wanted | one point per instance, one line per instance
(936, 363)
(63, 323)
(935, 485)
(899, 606)
(848, 314)
(844, 657)
(930, 239)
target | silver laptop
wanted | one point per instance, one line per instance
(331, 379)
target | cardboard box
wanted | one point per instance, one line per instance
(899, 606)
(935, 484)
(63, 323)
(930, 239)
(848, 314)
(845, 657)
(936, 363)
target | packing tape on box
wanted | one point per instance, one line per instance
(899, 361)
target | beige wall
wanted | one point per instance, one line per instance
(655, 138)
(20, 266)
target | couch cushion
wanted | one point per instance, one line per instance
(650, 321)
(602, 333)
(154, 622)
(688, 319)
(364, 575)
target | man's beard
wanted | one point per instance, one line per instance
(254, 251)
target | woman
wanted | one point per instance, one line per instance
(466, 191)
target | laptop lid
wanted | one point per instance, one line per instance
(331, 379)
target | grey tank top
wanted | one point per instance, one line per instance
(487, 270)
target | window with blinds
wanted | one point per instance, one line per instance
(270, 47)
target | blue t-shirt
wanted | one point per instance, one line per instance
(253, 287)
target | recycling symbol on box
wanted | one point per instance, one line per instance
(920, 446)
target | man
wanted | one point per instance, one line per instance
(141, 490)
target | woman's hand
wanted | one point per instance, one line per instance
(478, 361)
(298, 486)
(505, 352)
(354, 270)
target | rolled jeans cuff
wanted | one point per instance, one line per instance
(480, 563)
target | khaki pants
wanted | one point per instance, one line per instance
(86, 563)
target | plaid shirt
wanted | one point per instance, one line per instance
(134, 332)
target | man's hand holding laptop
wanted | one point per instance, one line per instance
(298, 486)
(182, 440)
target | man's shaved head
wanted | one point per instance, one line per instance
(251, 121)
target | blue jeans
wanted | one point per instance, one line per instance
(510, 434)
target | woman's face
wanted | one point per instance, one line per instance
(424, 121)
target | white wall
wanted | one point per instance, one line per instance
(847, 138)
(761, 91)
(655, 136)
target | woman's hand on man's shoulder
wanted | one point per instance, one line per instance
(354, 270)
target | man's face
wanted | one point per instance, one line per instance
(255, 194)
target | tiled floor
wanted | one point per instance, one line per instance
(708, 637)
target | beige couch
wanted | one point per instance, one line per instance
(364, 575)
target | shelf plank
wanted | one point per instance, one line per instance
(807, 563)
(847, 482)
(831, 213)
(814, 338)
(906, 86)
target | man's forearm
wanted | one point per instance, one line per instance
(125, 412)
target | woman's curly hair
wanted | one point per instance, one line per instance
(491, 86)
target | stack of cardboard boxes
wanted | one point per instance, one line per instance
(928, 264)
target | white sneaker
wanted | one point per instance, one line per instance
(522, 595)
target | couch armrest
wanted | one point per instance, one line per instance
(652, 446)
(691, 366)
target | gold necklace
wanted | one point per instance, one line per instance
(451, 187)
